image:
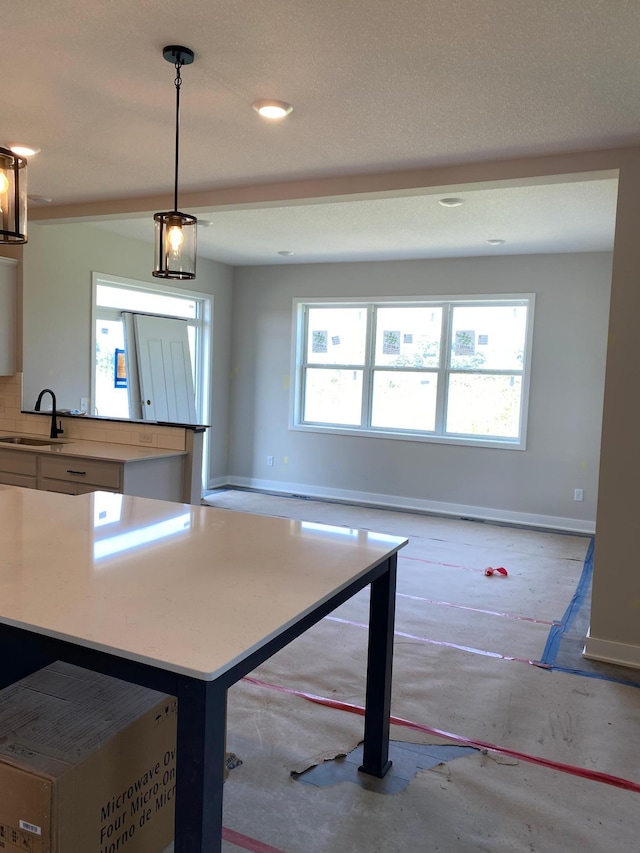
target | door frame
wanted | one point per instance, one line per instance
(203, 348)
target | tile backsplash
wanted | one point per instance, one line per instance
(113, 432)
(10, 402)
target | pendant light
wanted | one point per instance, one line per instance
(13, 197)
(175, 232)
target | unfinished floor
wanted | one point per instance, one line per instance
(504, 738)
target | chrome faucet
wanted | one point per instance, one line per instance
(55, 429)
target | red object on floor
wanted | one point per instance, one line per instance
(490, 571)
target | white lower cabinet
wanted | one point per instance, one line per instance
(19, 469)
(159, 477)
(76, 476)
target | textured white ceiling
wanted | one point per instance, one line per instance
(377, 86)
(561, 217)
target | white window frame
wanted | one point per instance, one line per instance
(298, 365)
(202, 323)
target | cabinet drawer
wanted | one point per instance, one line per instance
(85, 489)
(18, 480)
(64, 487)
(18, 462)
(60, 486)
(76, 470)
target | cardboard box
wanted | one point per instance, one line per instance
(87, 764)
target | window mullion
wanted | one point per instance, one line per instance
(479, 371)
(443, 373)
(302, 372)
(368, 369)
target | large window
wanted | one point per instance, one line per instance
(452, 370)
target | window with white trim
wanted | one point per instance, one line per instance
(113, 295)
(452, 370)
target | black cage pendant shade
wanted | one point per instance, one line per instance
(176, 232)
(13, 197)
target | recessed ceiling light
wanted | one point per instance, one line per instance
(286, 253)
(24, 150)
(272, 109)
(451, 202)
(39, 199)
(495, 242)
(205, 223)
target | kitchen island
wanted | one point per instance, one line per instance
(185, 600)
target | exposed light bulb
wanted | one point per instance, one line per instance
(175, 238)
(4, 186)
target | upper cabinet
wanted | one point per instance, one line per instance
(7, 316)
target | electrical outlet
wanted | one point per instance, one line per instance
(84, 404)
(145, 438)
(270, 461)
(578, 494)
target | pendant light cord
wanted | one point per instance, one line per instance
(178, 84)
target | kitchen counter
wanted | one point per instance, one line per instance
(109, 451)
(76, 466)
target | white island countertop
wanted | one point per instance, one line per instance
(192, 589)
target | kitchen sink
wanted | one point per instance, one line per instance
(20, 439)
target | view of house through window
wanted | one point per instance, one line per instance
(454, 370)
(110, 394)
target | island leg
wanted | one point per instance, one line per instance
(375, 758)
(22, 654)
(200, 755)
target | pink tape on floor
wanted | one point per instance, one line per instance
(591, 775)
(250, 844)
(447, 645)
(436, 563)
(478, 609)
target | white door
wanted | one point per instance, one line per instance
(164, 369)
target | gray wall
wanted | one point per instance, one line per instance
(57, 264)
(565, 412)
(252, 347)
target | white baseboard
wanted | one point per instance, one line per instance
(525, 519)
(609, 651)
(218, 483)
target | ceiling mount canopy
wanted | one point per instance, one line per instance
(13, 197)
(176, 232)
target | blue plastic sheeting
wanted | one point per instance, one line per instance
(408, 760)
(582, 590)
(565, 643)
